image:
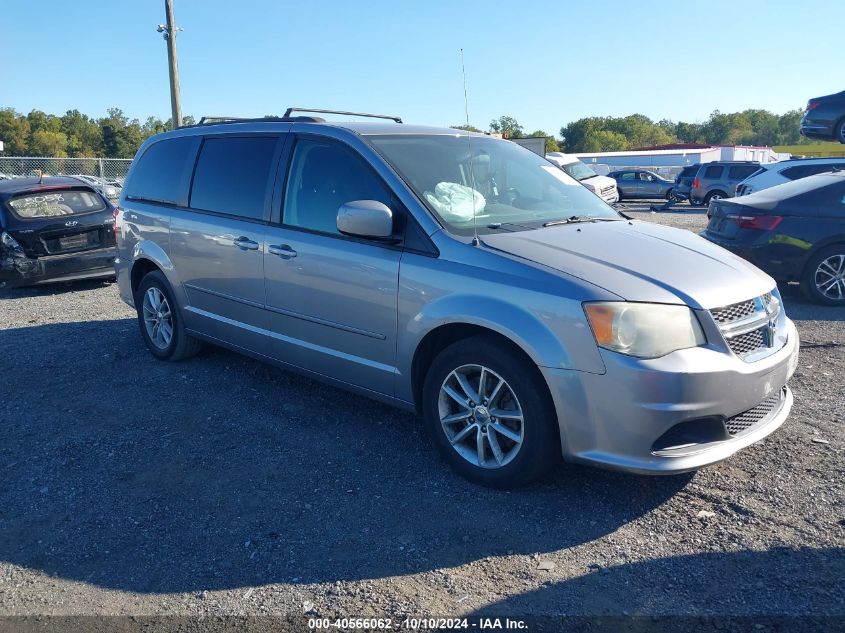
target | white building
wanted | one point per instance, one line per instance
(668, 160)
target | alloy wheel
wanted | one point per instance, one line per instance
(158, 319)
(481, 416)
(830, 277)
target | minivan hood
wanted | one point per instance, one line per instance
(640, 261)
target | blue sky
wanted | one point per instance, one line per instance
(544, 63)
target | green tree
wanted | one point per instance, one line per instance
(551, 142)
(121, 136)
(507, 127)
(84, 136)
(39, 120)
(14, 132)
(47, 143)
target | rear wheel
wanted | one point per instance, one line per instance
(840, 131)
(160, 321)
(489, 414)
(669, 194)
(824, 277)
(714, 195)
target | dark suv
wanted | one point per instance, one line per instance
(683, 181)
(54, 229)
(719, 180)
(824, 118)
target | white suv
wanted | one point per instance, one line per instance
(786, 170)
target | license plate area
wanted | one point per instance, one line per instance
(73, 242)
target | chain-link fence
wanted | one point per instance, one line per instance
(106, 174)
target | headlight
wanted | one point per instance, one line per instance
(644, 330)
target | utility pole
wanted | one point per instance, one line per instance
(169, 31)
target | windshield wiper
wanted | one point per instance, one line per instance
(575, 219)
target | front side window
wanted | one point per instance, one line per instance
(233, 175)
(322, 177)
(487, 183)
(48, 204)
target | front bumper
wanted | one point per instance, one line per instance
(17, 270)
(615, 419)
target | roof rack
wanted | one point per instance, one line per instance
(289, 111)
(214, 120)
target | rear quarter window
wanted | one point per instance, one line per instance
(49, 204)
(713, 172)
(163, 172)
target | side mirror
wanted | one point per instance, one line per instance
(365, 218)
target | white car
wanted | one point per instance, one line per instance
(602, 186)
(785, 171)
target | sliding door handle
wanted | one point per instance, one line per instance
(245, 243)
(284, 251)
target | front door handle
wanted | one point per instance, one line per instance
(245, 243)
(284, 251)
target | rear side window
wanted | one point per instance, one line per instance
(802, 171)
(163, 171)
(713, 172)
(233, 175)
(741, 172)
(48, 204)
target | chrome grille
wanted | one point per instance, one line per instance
(607, 190)
(734, 312)
(748, 327)
(755, 415)
(744, 344)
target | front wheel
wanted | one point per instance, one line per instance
(160, 321)
(840, 132)
(489, 413)
(824, 277)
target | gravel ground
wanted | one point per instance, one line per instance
(221, 486)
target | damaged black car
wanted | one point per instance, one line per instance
(54, 229)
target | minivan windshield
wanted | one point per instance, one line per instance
(489, 183)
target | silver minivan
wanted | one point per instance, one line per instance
(460, 276)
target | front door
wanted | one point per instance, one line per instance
(333, 298)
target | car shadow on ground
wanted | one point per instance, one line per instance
(792, 583)
(222, 472)
(53, 288)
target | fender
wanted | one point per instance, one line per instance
(559, 339)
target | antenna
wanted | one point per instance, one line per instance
(475, 240)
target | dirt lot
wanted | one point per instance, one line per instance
(224, 486)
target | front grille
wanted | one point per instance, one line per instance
(755, 415)
(749, 326)
(607, 190)
(734, 312)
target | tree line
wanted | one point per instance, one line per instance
(615, 134)
(117, 136)
(75, 134)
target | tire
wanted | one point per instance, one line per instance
(824, 267)
(669, 194)
(718, 195)
(154, 299)
(527, 448)
(840, 132)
